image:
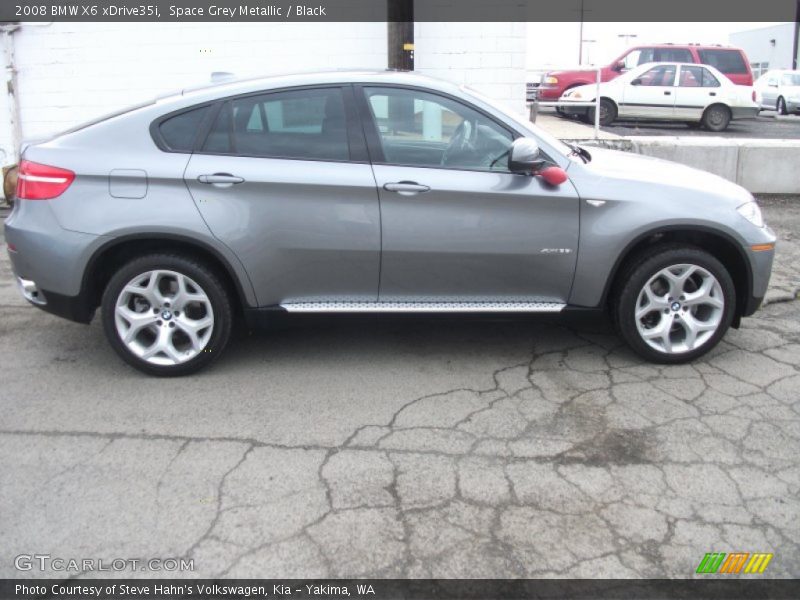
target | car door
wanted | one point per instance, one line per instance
(696, 89)
(283, 179)
(650, 95)
(456, 224)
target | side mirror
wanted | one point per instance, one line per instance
(619, 67)
(637, 81)
(554, 176)
(524, 156)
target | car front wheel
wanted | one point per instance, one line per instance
(608, 112)
(166, 314)
(675, 305)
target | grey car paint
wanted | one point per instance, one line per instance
(305, 229)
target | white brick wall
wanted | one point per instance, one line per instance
(489, 57)
(72, 72)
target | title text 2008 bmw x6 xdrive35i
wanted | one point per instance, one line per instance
(369, 192)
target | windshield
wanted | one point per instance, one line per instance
(552, 141)
(791, 79)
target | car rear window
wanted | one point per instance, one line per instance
(303, 124)
(727, 61)
(178, 132)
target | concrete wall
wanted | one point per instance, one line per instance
(760, 166)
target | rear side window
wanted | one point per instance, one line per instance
(727, 61)
(178, 132)
(301, 124)
(673, 55)
(697, 77)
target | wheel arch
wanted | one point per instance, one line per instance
(717, 243)
(114, 253)
(713, 104)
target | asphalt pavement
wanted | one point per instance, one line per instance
(412, 447)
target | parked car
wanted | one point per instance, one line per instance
(376, 192)
(730, 61)
(779, 90)
(667, 92)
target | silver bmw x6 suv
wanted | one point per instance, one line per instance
(369, 192)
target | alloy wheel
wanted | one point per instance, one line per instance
(164, 317)
(679, 308)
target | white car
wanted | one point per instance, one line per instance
(695, 94)
(779, 90)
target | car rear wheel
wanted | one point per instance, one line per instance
(781, 107)
(675, 305)
(717, 118)
(608, 112)
(166, 314)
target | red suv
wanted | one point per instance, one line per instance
(730, 61)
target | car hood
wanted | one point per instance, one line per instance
(588, 91)
(637, 169)
(794, 90)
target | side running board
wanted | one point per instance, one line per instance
(423, 307)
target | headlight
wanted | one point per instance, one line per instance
(751, 212)
(550, 80)
(577, 95)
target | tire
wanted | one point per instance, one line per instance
(608, 112)
(665, 337)
(781, 106)
(139, 301)
(717, 117)
(693, 124)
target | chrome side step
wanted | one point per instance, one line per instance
(423, 307)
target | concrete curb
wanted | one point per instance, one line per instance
(759, 165)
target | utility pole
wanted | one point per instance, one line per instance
(580, 37)
(400, 34)
(629, 36)
(796, 35)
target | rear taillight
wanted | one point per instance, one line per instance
(42, 182)
(753, 95)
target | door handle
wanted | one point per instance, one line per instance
(712, 93)
(406, 188)
(220, 179)
(668, 93)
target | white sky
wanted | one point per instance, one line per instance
(556, 44)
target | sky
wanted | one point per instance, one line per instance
(556, 44)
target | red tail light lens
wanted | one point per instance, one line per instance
(42, 182)
(754, 95)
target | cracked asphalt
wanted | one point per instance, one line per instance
(408, 447)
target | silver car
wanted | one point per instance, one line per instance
(369, 192)
(779, 90)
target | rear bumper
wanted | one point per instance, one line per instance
(749, 112)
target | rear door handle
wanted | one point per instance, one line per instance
(220, 179)
(406, 188)
(712, 93)
(668, 93)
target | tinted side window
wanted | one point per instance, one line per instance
(663, 75)
(697, 77)
(727, 61)
(673, 55)
(179, 132)
(302, 124)
(419, 128)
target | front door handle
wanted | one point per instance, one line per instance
(220, 179)
(406, 188)
(668, 93)
(712, 93)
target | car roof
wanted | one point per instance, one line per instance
(234, 86)
(680, 46)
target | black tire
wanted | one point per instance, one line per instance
(608, 112)
(693, 124)
(639, 272)
(781, 106)
(200, 274)
(717, 117)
